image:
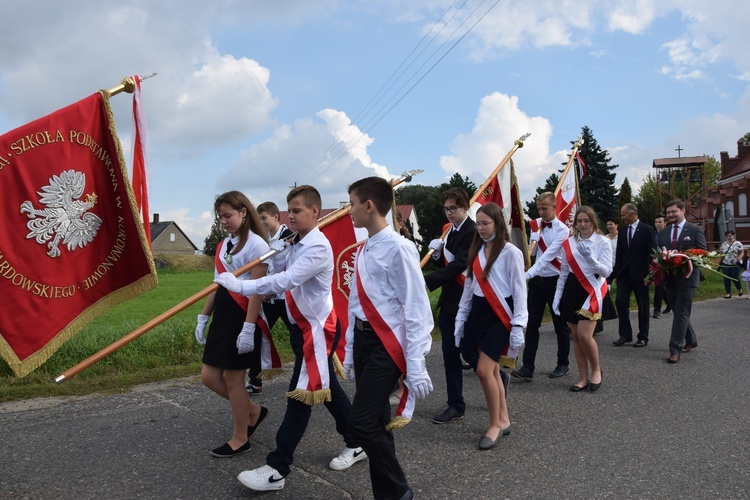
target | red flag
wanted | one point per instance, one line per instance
(344, 244)
(71, 245)
(504, 191)
(581, 166)
(566, 196)
(140, 178)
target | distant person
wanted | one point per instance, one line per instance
(611, 225)
(582, 295)
(274, 306)
(745, 276)
(233, 336)
(680, 235)
(450, 257)
(305, 271)
(549, 233)
(492, 313)
(390, 322)
(659, 296)
(635, 245)
(733, 252)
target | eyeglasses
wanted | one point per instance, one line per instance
(450, 210)
(484, 224)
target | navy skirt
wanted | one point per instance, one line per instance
(221, 342)
(484, 331)
(574, 296)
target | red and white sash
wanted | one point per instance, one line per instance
(448, 257)
(318, 333)
(498, 304)
(269, 356)
(536, 227)
(586, 275)
(391, 331)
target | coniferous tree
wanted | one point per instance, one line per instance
(549, 185)
(214, 238)
(459, 181)
(598, 187)
(626, 195)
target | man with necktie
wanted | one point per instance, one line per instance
(681, 235)
(635, 244)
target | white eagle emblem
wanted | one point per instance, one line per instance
(66, 217)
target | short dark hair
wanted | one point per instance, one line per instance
(268, 207)
(309, 195)
(457, 193)
(612, 220)
(375, 189)
(679, 203)
(659, 216)
(729, 232)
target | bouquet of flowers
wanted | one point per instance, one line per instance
(667, 262)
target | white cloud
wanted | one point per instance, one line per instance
(329, 155)
(633, 16)
(196, 228)
(499, 122)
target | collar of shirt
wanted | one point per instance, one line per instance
(379, 236)
(458, 228)
(634, 225)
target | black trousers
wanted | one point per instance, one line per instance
(297, 413)
(541, 295)
(625, 286)
(375, 375)
(274, 311)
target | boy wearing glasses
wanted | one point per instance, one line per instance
(451, 258)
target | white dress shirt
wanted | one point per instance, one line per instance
(553, 237)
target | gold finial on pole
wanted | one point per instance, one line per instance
(127, 85)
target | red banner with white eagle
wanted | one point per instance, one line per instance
(503, 190)
(71, 242)
(341, 235)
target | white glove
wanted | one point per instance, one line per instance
(458, 332)
(556, 304)
(200, 328)
(230, 282)
(280, 246)
(534, 237)
(349, 367)
(246, 338)
(436, 246)
(526, 276)
(417, 379)
(516, 337)
(583, 249)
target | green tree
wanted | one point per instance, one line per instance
(647, 200)
(214, 237)
(598, 187)
(626, 195)
(426, 201)
(549, 185)
(458, 181)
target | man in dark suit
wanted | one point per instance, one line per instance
(451, 257)
(681, 235)
(635, 244)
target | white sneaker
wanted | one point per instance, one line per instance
(348, 457)
(264, 478)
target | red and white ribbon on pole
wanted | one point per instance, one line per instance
(140, 158)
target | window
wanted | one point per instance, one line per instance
(742, 202)
(730, 206)
(171, 237)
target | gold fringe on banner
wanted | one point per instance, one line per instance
(397, 423)
(310, 397)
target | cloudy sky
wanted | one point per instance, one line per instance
(260, 95)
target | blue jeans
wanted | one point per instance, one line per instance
(732, 272)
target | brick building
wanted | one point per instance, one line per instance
(733, 190)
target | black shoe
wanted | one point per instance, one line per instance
(578, 388)
(226, 451)
(505, 378)
(621, 341)
(656, 315)
(667, 310)
(486, 443)
(593, 387)
(524, 374)
(409, 495)
(559, 371)
(447, 415)
(641, 343)
(254, 390)
(252, 428)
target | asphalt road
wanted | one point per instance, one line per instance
(653, 430)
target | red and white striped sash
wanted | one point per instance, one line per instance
(391, 331)
(269, 356)
(586, 275)
(535, 226)
(318, 333)
(498, 304)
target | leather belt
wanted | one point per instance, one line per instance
(362, 326)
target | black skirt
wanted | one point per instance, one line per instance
(221, 342)
(574, 296)
(484, 331)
